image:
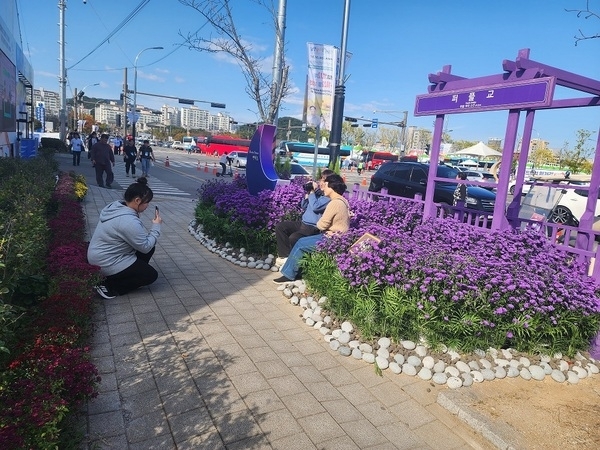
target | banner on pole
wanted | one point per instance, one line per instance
(320, 85)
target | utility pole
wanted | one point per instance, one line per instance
(335, 136)
(62, 79)
(124, 118)
(278, 60)
(75, 111)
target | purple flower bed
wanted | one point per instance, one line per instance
(440, 280)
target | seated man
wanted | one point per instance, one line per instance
(335, 219)
(288, 232)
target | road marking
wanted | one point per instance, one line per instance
(157, 186)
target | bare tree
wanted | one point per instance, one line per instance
(586, 14)
(224, 38)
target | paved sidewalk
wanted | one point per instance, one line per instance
(212, 356)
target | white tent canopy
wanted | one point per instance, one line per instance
(480, 149)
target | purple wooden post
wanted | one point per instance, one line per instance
(499, 221)
(587, 220)
(512, 212)
(434, 158)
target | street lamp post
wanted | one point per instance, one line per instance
(133, 113)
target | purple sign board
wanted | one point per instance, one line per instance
(533, 93)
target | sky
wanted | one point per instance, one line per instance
(395, 45)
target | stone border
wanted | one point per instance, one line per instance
(447, 367)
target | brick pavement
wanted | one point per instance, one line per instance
(211, 356)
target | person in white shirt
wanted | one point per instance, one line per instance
(224, 160)
(76, 148)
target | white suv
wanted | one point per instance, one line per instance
(571, 205)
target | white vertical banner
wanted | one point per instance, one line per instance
(320, 85)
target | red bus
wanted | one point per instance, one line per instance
(217, 145)
(376, 159)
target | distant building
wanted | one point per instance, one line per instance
(495, 143)
(50, 100)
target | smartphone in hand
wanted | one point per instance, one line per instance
(156, 212)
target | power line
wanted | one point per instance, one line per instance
(118, 28)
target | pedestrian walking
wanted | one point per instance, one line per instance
(146, 157)
(91, 141)
(103, 160)
(117, 145)
(76, 146)
(360, 167)
(130, 154)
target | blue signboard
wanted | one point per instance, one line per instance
(533, 93)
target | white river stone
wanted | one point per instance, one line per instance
(414, 360)
(428, 362)
(580, 371)
(384, 342)
(345, 350)
(563, 366)
(409, 369)
(425, 373)
(399, 358)
(408, 345)
(537, 372)
(467, 379)
(558, 376)
(452, 371)
(485, 364)
(512, 372)
(474, 365)
(421, 350)
(347, 327)
(572, 377)
(382, 363)
(334, 345)
(439, 378)
(368, 357)
(365, 348)
(454, 382)
(488, 374)
(357, 354)
(440, 367)
(477, 376)
(395, 367)
(462, 366)
(500, 372)
(383, 352)
(525, 373)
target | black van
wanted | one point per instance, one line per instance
(405, 179)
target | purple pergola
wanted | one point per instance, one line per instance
(524, 86)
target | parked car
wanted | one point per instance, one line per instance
(526, 186)
(572, 204)
(296, 170)
(405, 179)
(239, 158)
(474, 175)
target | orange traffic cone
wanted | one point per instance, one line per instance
(205, 166)
(364, 181)
(237, 173)
(167, 162)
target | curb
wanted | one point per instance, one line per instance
(499, 434)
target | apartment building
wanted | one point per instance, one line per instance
(50, 100)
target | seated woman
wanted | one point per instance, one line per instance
(122, 246)
(335, 219)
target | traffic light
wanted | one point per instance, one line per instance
(118, 119)
(350, 119)
(427, 148)
(367, 125)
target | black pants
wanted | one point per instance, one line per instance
(139, 274)
(100, 169)
(130, 164)
(288, 233)
(224, 166)
(76, 158)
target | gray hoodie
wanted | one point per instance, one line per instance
(118, 235)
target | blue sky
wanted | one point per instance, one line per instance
(395, 44)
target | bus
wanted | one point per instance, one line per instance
(217, 145)
(376, 159)
(304, 153)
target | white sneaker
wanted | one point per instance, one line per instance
(280, 261)
(104, 292)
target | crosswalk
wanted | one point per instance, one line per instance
(158, 187)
